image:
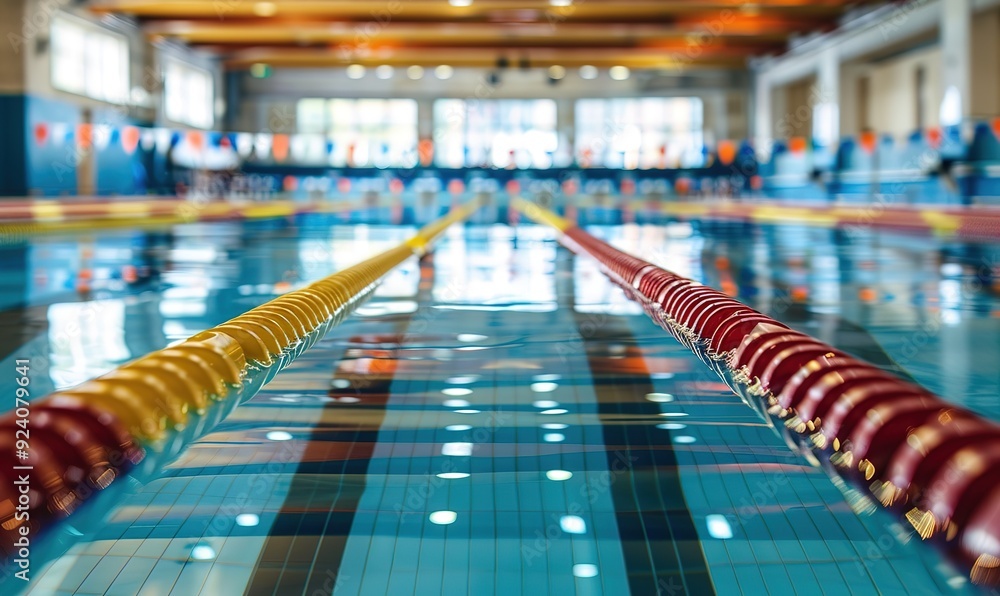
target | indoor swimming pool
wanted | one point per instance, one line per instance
(499, 418)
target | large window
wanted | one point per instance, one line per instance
(363, 132)
(188, 94)
(495, 133)
(89, 60)
(640, 133)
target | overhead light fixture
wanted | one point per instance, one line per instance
(415, 72)
(588, 72)
(558, 475)
(619, 73)
(585, 570)
(384, 72)
(445, 72)
(265, 9)
(460, 2)
(561, 2)
(557, 72)
(260, 70)
(355, 71)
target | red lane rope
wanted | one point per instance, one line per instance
(935, 461)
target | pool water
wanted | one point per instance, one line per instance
(499, 418)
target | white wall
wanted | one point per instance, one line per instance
(145, 72)
(892, 103)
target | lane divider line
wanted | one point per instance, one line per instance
(142, 415)
(933, 462)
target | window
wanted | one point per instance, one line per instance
(188, 94)
(645, 133)
(496, 133)
(89, 60)
(362, 132)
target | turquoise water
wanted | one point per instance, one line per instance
(499, 418)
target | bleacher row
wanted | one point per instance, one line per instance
(955, 165)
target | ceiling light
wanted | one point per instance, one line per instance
(588, 72)
(555, 426)
(671, 426)
(260, 70)
(278, 435)
(561, 2)
(554, 437)
(458, 427)
(444, 72)
(619, 73)
(460, 2)
(585, 570)
(556, 412)
(456, 403)
(355, 71)
(660, 398)
(546, 404)
(265, 9)
(415, 72)
(384, 72)
(684, 440)
(544, 387)
(557, 72)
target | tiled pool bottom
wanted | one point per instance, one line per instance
(508, 425)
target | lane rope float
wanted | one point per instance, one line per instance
(142, 415)
(932, 461)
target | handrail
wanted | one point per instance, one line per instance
(929, 459)
(140, 416)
